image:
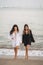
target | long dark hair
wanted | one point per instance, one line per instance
(25, 29)
(12, 30)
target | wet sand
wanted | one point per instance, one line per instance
(21, 61)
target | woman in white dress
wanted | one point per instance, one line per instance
(16, 38)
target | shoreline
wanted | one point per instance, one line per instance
(31, 53)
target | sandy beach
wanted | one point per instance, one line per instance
(21, 61)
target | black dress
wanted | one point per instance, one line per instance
(27, 39)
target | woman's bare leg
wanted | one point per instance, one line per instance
(26, 54)
(16, 51)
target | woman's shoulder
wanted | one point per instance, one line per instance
(23, 34)
(30, 30)
(18, 34)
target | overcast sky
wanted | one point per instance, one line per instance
(22, 3)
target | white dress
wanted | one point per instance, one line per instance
(16, 39)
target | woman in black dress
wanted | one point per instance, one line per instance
(27, 38)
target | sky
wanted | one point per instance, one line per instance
(22, 3)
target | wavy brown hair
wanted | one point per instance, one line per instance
(12, 30)
(24, 31)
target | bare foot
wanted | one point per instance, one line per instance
(15, 57)
(26, 57)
